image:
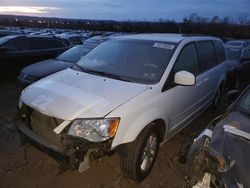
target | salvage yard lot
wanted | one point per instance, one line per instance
(35, 169)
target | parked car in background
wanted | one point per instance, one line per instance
(95, 41)
(128, 95)
(237, 58)
(238, 43)
(73, 38)
(219, 156)
(17, 52)
(244, 70)
(39, 70)
(4, 33)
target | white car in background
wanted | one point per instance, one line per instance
(129, 94)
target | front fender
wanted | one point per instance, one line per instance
(128, 131)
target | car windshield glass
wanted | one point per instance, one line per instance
(135, 60)
(74, 54)
(233, 53)
(243, 104)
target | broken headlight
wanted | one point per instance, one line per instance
(95, 130)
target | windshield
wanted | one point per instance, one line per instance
(74, 54)
(233, 53)
(244, 103)
(134, 60)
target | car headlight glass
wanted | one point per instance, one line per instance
(95, 130)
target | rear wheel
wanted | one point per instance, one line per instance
(141, 154)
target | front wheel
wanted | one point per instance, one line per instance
(141, 154)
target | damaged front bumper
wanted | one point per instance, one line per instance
(73, 153)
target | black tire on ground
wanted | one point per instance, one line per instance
(132, 164)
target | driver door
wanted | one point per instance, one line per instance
(185, 100)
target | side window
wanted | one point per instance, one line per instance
(51, 43)
(220, 51)
(206, 55)
(36, 44)
(18, 44)
(43, 43)
(187, 60)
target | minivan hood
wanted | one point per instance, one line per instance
(71, 94)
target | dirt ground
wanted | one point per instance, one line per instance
(35, 169)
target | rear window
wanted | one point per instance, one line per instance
(206, 55)
(220, 51)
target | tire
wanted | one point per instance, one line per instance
(141, 154)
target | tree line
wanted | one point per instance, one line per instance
(194, 24)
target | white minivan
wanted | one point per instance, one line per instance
(128, 95)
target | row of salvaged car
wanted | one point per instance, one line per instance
(18, 51)
(129, 94)
(74, 36)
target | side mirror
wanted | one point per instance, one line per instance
(184, 78)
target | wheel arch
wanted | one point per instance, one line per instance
(127, 138)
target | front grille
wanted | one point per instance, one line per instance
(43, 125)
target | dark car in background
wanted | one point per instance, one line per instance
(238, 43)
(17, 51)
(238, 59)
(44, 68)
(73, 38)
(219, 156)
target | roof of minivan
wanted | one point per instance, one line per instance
(166, 37)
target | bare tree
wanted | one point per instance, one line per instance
(242, 18)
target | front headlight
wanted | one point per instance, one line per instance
(95, 130)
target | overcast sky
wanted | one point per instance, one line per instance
(125, 9)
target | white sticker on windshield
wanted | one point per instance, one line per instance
(163, 45)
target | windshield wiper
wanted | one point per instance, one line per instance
(109, 75)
